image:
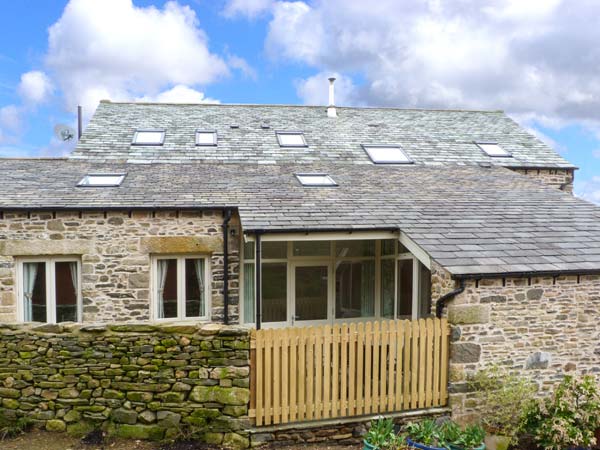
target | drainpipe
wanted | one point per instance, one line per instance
(226, 266)
(444, 299)
(257, 271)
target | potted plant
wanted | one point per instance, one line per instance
(502, 399)
(455, 438)
(380, 435)
(569, 417)
(425, 435)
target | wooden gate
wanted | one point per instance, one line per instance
(326, 372)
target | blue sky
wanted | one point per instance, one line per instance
(537, 60)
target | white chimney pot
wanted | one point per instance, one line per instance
(331, 112)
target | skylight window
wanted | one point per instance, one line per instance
(206, 137)
(102, 179)
(291, 139)
(493, 149)
(387, 154)
(148, 137)
(315, 179)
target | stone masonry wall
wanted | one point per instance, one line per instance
(559, 178)
(540, 327)
(115, 250)
(137, 381)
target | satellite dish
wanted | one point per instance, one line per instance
(64, 132)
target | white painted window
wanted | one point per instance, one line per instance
(49, 289)
(291, 139)
(206, 138)
(387, 154)
(148, 137)
(315, 179)
(493, 149)
(181, 287)
(102, 179)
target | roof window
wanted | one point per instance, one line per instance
(148, 137)
(315, 179)
(204, 137)
(291, 139)
(493, 149)
(102, 179)
(387, 154)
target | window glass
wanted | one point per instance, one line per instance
(386, 154)
(274, 250)
(492, 149)
(355, 289)
(402, 249)
(291, 139)
(424, 291)
(102, 180)
(249, 301)
(249, 250)
(195, 306)
(311, 292)
(405, 288)
(274, 292)
(387, 287)
(348, 249)
(315, 179)
(311, 248)
(150, 137)
(34, 292)
(206, 138)
(388, 247)
(66, 282)
(167, 288)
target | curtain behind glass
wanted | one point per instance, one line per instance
(29, 277)
(161, 275)
(367, 289)
(387, 288)
(249, 277)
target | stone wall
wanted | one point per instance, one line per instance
(138, 381)
(559, 178)
(540, 327)
(115, 250)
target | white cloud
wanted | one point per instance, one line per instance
(588, 189)
(247, 8)
(35, 87)
(10, 118)
(178, 94)
(536, 58)
(113, 49)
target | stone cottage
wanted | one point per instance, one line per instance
(180, 217)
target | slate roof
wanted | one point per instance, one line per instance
(429, 137)
(469, 219)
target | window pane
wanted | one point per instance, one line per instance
(405, 288)
(387, 288)
(387, 154)
(424, 291)
(355, 289)
(195, 304)
(148, 137)
(102, 180)
(402, 249)
(167, 288)
(274, 292)
(274, 250)
(311, 248)
(249, 250)
(34, 292)
(249, 277)
(311, 292)
(206, 137)
(291, 139)
(65, 273)
(388, 247)
(355, 248)
(315, 180)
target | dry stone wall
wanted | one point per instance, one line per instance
(559, 178)
(115, 250)
(139, 381)
(539, 327)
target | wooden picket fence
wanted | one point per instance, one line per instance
(326, 372)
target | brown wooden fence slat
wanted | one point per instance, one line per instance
(328, 372)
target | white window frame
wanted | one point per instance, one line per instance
(295, 133)
(181, 286)
(303, 179)
(50, 267)
(204, 144)
(481, 145)
(149, 130)
(368, 147)
(83, 183)
(293, 261)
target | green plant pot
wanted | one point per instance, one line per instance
(368, 446)
(497, 442)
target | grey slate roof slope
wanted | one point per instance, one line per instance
(428, 136)
(469, 219)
